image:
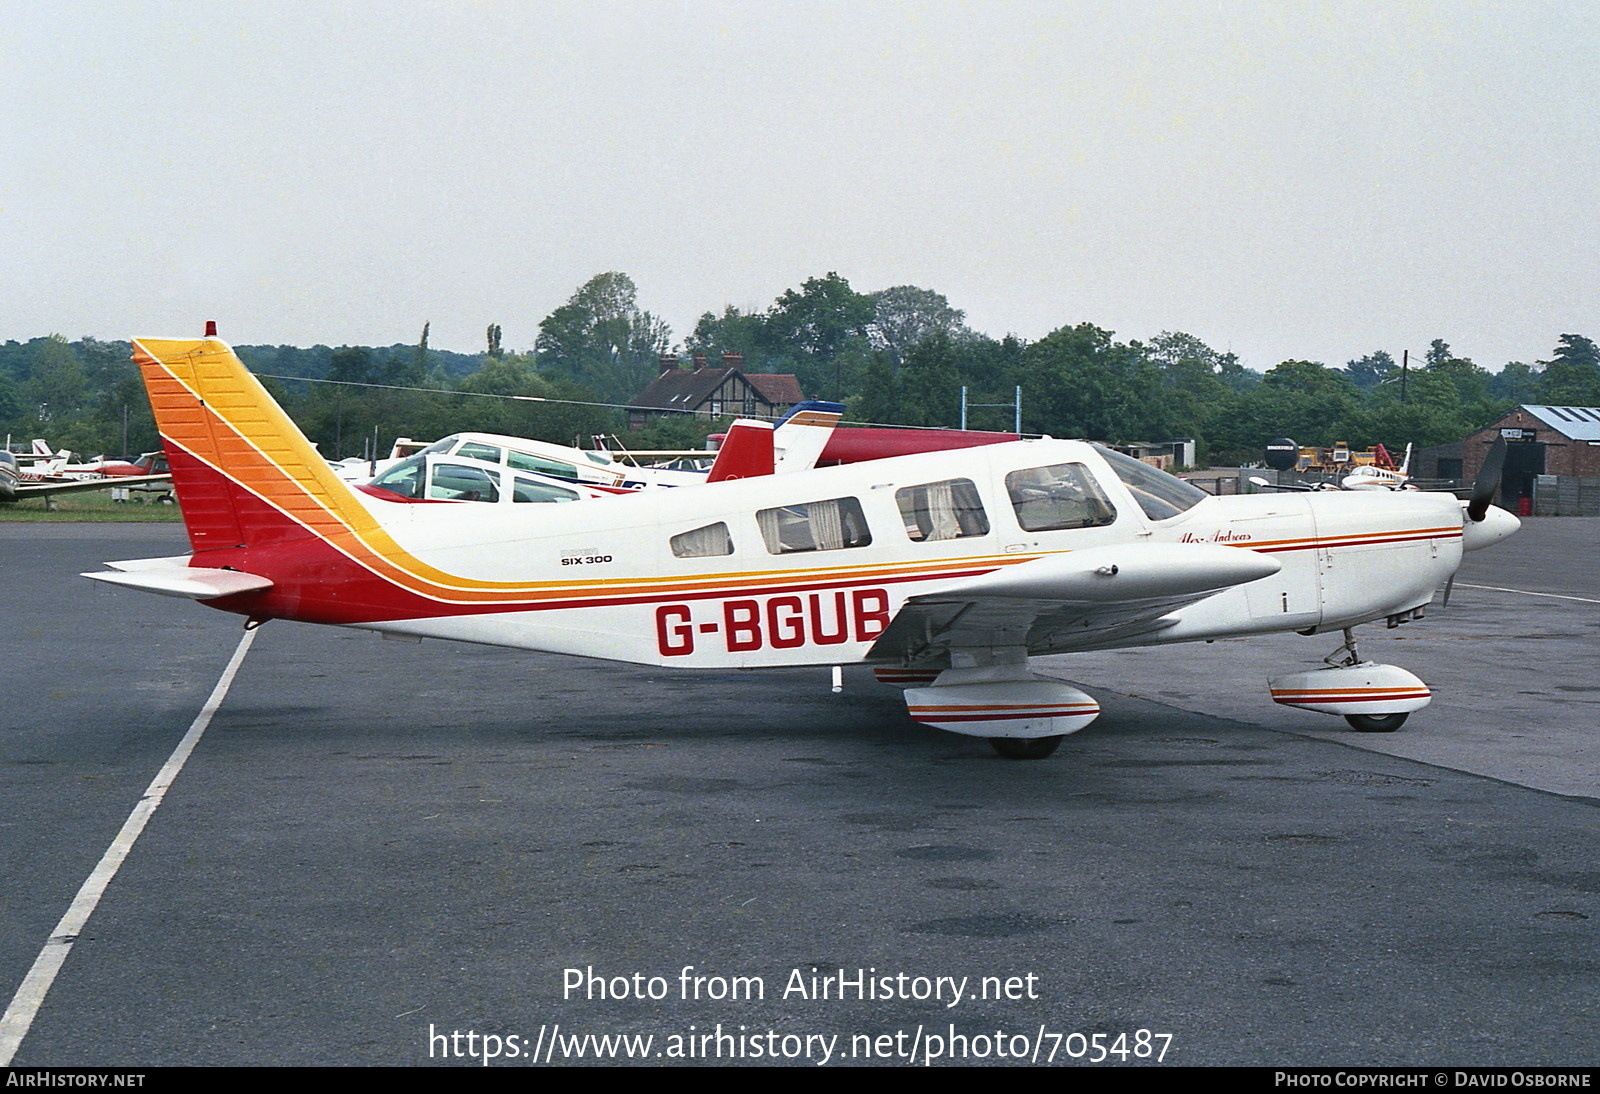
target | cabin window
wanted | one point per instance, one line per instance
(488, 453)
(705, 542)
(814, 526)
(1159, 494)
(452, 482)
(403, 478)
(1063, 495)
(530, 490)
(942, 510)
(524, 461)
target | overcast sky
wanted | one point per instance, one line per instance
(1280, 179)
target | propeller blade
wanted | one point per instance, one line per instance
(1487, 484)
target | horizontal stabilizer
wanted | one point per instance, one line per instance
(191, 582)
(1119, 574)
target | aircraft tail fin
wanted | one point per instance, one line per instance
(244, 473)
(746, 452)
(803, 434)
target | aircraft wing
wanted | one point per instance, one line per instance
(26, 490)
(1076, 600)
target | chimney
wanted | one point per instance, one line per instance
(699, 361)
(732, 359)
(667, 363)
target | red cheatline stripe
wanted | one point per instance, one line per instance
(1279, 547)
(979, 715)
(1345, 697)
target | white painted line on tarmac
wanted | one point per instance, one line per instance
(25, 1004)
(1527, 592)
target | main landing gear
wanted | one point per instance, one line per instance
(1373, 698)
(1023, 716)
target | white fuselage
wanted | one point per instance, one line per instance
(613, 580)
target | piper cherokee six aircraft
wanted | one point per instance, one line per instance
(946, 570)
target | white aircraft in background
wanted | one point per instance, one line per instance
(1380, 478)
(494, 467)
(946, 571)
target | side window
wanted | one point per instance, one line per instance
(524, 489)
(523, 461)
(403, 478)
(705, 542)
(1063, 495)
(476, 450)
(452, 482)
(942, 510)
(814, 526)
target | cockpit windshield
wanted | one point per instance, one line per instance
(1159, 494)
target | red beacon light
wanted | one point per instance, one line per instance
(211, 328)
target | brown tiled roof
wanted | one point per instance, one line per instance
(777, 388)
(686, 389)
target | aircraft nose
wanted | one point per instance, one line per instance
(1495, 526)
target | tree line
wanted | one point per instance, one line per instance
(900, 355)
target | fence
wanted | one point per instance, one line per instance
(1566, 496)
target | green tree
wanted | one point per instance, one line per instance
(1373, 369)
(1471, 382)
(1305, 400)
(601, 339)
(1077, 381)
(1572, 375)
(930, 382)
(824, 322)
(905, 315)
(1516, 383)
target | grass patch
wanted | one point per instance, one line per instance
(92, 505)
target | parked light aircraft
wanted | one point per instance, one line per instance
(51, 475)
(1380, 478)
(558, 473)
(945, 571)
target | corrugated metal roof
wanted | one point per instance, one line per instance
(1579, 423)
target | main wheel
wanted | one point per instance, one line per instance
(1028, 748)
(1376, 723)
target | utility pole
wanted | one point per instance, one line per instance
(1015, 404)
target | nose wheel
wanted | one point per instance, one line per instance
(1376, 723)
(1373, 698)
(1025, 748)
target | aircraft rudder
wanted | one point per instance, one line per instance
(231, 447)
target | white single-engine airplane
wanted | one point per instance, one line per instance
(946, 570)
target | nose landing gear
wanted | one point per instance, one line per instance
(1373, 698)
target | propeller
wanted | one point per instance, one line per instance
(1487, 484)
